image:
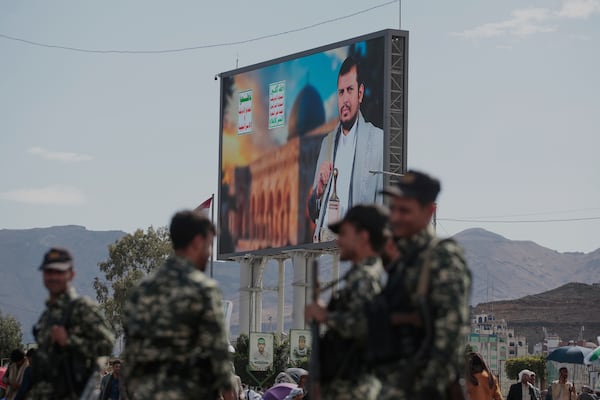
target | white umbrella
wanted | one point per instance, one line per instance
(594, 356)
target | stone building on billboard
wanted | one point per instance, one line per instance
(271, 193)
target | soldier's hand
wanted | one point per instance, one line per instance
(58, 335)
(315, 312)
(324, 172)
(228, 395)
(429, 392)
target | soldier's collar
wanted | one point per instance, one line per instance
(179, 262)
(64, 298)
(368, 261)
(418, 240)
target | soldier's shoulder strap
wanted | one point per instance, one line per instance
(66, 318)
(424, 277)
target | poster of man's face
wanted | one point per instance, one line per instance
(277, 122)
(300, 345)
(260, 351)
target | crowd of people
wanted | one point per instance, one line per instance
(482, 384)
(394, 330)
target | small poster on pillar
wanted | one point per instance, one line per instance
(300, 346)
(260, 350)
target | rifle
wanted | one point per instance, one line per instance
(314, 376)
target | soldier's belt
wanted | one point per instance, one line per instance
(412, 318)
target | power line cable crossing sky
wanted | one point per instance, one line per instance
(502, 106)
(198, 47)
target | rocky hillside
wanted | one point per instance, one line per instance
(509, 269)
(564, 311)
(21, 290)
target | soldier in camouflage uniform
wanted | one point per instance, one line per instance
(421, 363)
(344, 375)
(176, 344)
(71, 334)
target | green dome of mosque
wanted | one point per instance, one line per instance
(308, 112)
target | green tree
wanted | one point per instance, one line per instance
(129, 259)
(11, 335)
(536, 364)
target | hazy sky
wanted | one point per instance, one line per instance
(503, 106)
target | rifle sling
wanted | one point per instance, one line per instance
(414, 318)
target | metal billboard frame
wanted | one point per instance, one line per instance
(395, 109)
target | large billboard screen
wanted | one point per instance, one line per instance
(303, 138)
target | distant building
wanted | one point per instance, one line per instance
(551, 342)
(495, 341)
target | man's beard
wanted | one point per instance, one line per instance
(347, 125)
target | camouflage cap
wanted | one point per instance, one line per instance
(417, 185)
(58, 259)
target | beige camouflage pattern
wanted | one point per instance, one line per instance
(89, 334)
(176, 345)
(367, 386)
(348, 320)
(448, 297)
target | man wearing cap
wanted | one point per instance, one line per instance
(71, 334)
(344, 375)
(261, 358)
(522, 390)
(301, 351)
(426, 327)
(176, 345)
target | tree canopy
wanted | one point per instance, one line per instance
(536, 364)
(129, 259)
(11, 335)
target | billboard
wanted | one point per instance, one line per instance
(300, 345)
(302, 139)
(260, 351)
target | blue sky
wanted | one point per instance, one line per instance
(503, 107)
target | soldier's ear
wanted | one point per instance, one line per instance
(365, 236)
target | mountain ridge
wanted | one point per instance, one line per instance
(502, 269)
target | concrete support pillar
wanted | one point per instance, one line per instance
(258, 266)
(280, 294)
(251, 273)
(245, 284)
(299, 285)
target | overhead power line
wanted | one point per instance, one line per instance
(198, 47)
(522, 221)
(545, 213)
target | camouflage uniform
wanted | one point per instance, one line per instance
(176, 344)
(89, 337)
(346, 319)
(448, 305)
